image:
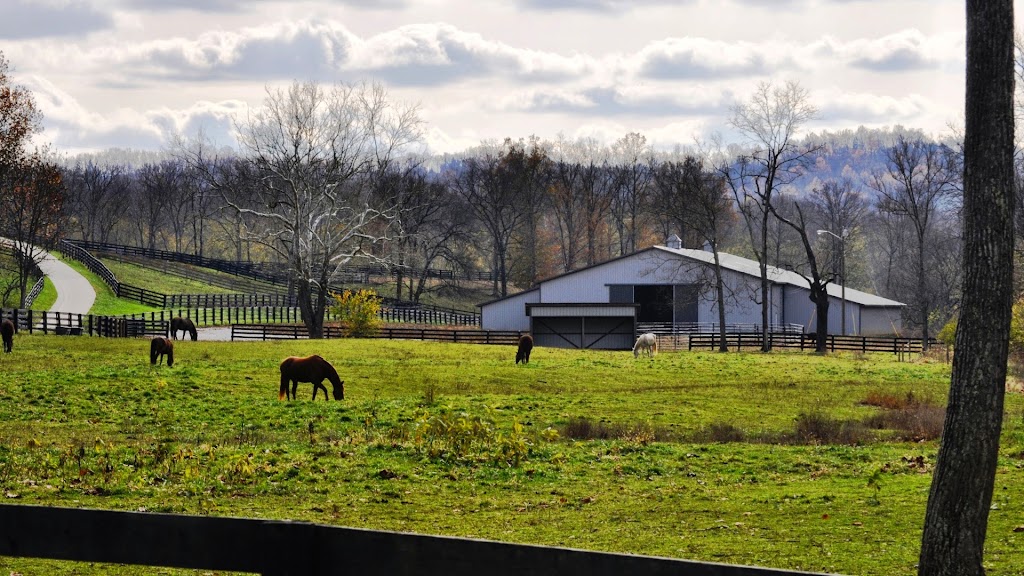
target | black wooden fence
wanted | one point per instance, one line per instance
(739, 341)
(66, 323)
(297, 331)
(257, 270)
(393, 311)
(274, 548)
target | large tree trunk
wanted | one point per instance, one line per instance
(820, 298)
(766, 345)
(961, 491)
(723, 346)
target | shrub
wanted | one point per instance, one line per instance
(358, 312)
(947, 334)
(817, 428)
(586, 429)
(915, 422)
(890, 401)
(722, 432)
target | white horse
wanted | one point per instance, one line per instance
(646, 343)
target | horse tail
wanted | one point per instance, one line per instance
(284, 379)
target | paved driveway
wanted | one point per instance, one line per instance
(74, 293)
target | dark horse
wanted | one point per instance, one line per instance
(525, 346)
(7, 331)
(183, 325)
(158, 348)
(312, 369)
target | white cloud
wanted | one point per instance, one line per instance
(494, 69)
(28, 19)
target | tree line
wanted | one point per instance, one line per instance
(326, 176)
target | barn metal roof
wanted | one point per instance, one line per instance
(741, 265)
(778, 275)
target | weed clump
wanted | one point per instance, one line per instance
(914, 419)
(642, 433)
(816, 428)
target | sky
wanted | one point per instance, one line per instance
(133, 73)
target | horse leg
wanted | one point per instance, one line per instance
(320, 386)
(295, 390)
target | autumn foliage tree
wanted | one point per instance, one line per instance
(31, 186)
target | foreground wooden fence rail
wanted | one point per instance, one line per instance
(275, 548)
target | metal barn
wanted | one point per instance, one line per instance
(601, 306)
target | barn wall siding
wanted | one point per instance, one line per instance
(508, 314)
(591, 284)
(880, 322)
(789, 304)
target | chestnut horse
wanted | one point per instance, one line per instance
(183, 325)
(525, 346)
(312, 369)
(7, 331)
(158, 348)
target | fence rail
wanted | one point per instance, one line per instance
(260, 271)
(739, 340)
(709, 327)
(393, 311)
(297, 331)
(274, 548)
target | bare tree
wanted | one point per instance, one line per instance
(956, 519)
(566, 199)
(157, 191)
(96, 199)
(838, 207)
(817, 279)
(919, 180)
(311, 152)
(633, 169)
(497, 186)
(770, 122)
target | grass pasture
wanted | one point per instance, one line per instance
(693, 455)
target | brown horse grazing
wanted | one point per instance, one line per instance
(158, 348)
(312, 369)
(525, 346)
(7, 331)
(183, 325)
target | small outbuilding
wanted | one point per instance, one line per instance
(605, 305)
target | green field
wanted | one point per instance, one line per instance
(163, 280)
(704, 457)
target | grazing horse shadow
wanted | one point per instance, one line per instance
(7, 331)
(525, 347)
(183, 325)
(646, 344)
(160, 347)
(312, 369)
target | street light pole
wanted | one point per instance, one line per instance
(842, 275)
